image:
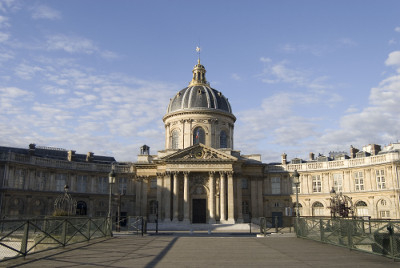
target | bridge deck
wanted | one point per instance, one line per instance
(202, 250)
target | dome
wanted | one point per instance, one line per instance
(199, 95)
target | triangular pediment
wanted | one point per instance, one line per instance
(199, 152)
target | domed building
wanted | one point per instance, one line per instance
(199, 174)
(199, 177)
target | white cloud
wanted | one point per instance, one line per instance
(397, 29)
(4, 22)
(77, 45)
(393, 58)
(26, 72)
(236, 77)
(9, 5)
(264, 59)
(347, 42)
(4, 37)
(45, 12)
(71, 44)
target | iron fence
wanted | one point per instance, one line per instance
(380, 237)
(23, 237)
(275, 224)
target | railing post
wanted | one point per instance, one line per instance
(24, 242)
(88, 229)
(350, 233)
(276, 224)
(390, 229)
(142, 218)
(64, 233)
(321, 230)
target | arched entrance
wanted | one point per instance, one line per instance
(81, 208)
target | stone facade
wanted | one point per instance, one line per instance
(199, 178)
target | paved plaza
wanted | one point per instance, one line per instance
(202, 250)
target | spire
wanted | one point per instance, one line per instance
(199, 72)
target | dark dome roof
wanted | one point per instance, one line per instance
(199, 97)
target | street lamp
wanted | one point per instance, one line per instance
(296, 182)
(111, 181)
(118, 197)
(333, 202)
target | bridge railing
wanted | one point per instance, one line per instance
(381, 237)
(275, 224)
(23, 237)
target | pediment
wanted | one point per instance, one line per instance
(199, 152)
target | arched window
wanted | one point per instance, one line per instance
(361, 209)
(318, 209)
(175, 139)
(295, 209)
(198, 136)
(223, 140)
(81, 208)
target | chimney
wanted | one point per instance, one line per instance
(71, 155)
(312, 156)
(32, 148)
(284, 158)
(145, 150)
(89, 157)
(375, 149)
(353, 151)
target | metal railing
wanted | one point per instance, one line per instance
(23, 237)
(381, 237)
(137, 224)
(275, 224)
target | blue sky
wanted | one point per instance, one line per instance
(301, 76)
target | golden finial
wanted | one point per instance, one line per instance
(198, 49)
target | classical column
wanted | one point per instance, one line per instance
(145, 182)
(175, 202)
(186, 197)
(159, 195)
(211, 198)
(138, 210)
(167, 197)
(231, 199)
(253, 193)
(222, 197)
(239, 200)
(260, 198)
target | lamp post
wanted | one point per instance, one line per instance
(119, 196)
(111, 181)
(296, 182)
(333, 202)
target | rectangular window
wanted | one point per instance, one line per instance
(153, 183)
(122, 185)
(316, 183)
(19, 178)
(245, 184)
(384, 214)
(380, 179)
(338, 182)
(275, 185)
(61, 181)
(81, 183)
(41, 180)
(358, 181)
(102, 186)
